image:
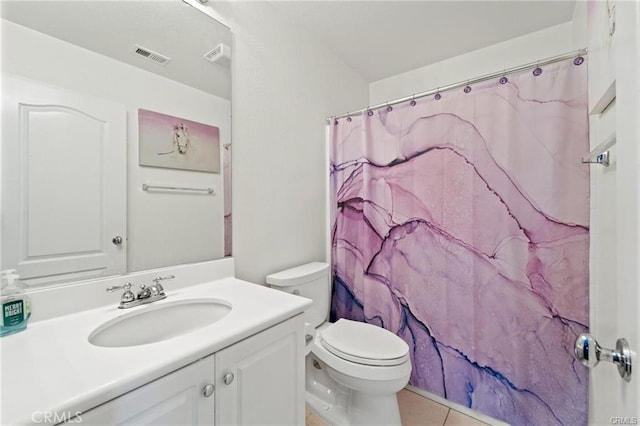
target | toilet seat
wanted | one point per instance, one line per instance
(364, 344)
(375, 375)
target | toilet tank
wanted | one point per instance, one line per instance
(311, 281)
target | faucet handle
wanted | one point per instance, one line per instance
(127, 296)
(156, 283)
(157, 280)
(126, 286)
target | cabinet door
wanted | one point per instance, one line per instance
(260, 380)
(175, 399)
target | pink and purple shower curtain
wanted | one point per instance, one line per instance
(460, 223)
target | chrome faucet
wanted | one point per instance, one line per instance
(145, 294)
(157, 288)
(127, 297)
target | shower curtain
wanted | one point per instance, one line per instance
(460, 223)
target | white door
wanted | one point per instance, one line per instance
(63, 183)
(185, 397)
(614, 93)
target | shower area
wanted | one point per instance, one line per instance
(460, 222)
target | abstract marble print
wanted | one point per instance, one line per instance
(461, 224)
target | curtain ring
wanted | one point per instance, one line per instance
(389, 107)
(467, 88)
(438, 96)
(538, 70)
(504, 79)
(369, 112)
(413, 100)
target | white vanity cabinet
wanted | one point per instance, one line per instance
(175, 399)
(256, 381)
(260, 380)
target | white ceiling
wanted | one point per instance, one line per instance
(380, 39)
(376, 38)
(172, 28)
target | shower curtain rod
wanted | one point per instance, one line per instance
(459, 84)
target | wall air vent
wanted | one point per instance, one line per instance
(220, 55)
(150, 54)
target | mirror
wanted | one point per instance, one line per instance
(80, 79)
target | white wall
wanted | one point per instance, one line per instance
(162, 229)
(284, 85)
(518, 51)
(579, 25)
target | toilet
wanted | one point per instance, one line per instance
(353, 369)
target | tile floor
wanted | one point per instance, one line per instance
(416, 410)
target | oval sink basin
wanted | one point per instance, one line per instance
(157, 323)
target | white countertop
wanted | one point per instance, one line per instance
(52, 367)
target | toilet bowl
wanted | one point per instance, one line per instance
(368, 383)
(353, 369)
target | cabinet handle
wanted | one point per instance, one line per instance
(228, 378)
(207, 391)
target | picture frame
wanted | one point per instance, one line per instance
(177, 143)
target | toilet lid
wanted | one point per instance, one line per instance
(364, 343)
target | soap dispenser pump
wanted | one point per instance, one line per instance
(16, 306)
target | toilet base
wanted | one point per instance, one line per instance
(338, 405)
(367, 409)
(330, 413)
(382, 411)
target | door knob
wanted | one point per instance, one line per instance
(228, 378)
(589, 352)
(117, 240)
(207, 391)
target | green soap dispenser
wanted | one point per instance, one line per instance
(16, 306)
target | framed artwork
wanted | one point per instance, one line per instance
(177, 143)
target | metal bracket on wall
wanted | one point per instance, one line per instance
(602, 158)
(600, 154)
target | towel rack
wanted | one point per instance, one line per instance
(186, 190)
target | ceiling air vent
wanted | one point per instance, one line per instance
(150, 54)
(220, 55)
